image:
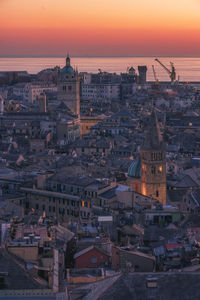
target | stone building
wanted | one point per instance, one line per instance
(69, 88)
(147, 175)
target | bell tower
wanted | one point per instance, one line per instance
(153, 162)
(69, 87)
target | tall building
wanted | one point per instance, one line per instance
(69, 87)
(147, 175)
(142, 74)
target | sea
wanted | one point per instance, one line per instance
(187, 68)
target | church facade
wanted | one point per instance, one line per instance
(147, 175)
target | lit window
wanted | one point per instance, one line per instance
(160, 169)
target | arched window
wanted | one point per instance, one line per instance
(153, 169)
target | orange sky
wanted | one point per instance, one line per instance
(99, 27)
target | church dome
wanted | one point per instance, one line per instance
(134, 171)
(67, 70)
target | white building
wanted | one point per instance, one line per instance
(30, 92)
(100, 91)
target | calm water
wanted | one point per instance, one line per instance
(187, 68)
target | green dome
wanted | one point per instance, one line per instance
(134, 171)
(67, 70)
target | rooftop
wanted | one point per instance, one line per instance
(168, 286)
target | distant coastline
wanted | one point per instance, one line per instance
(188, 68)
(98, 56)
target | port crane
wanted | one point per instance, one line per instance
(154, 74)
(172, 72)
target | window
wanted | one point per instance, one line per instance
(93, 260)
(157, 194)
(156, 156)
(160, 169)
(37, 206)
(153, 170)
(136, 267)
(69, 88)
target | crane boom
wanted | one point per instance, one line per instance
(166, 69)
(172, 73)
(154, 73)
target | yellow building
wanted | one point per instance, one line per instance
(89, 121)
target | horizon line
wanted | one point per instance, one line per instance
(98, 56)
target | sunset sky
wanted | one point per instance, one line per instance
(100, 27)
